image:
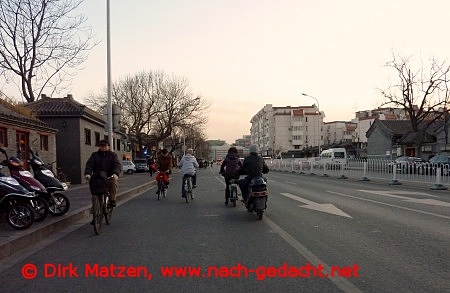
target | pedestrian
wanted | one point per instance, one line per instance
(151, 165)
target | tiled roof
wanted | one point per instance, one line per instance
(397, 127)
(12, 113)
(66, 106)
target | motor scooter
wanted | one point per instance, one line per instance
(58, 203)
(14, 202)
(258, 194)
(26, 179)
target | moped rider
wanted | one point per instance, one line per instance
(253, 166)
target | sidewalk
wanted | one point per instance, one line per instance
(12, 241)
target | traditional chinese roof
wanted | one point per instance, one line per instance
(63, 107)
(18, 115)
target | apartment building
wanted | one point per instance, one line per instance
(280, 129)
(289, 129)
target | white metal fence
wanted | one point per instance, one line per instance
(436, 175)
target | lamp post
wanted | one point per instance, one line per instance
(318, 108)
(108, 69)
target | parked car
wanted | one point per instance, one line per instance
(128, 167)
(141, 165)
(404, 164)
(431, 166)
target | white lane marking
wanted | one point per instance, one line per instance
(342, 283)
(321, 207)
(393, 194)
(390, 205)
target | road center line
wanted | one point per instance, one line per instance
(340, 282)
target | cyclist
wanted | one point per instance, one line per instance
(107, 161)
(164, 165)
(229, 169)
(253, 166)
(188, 165)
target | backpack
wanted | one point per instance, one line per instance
(232, 164)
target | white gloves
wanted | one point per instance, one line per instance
(115, 176)
(87, 176)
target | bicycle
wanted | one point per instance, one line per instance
(101, 207)
(233, 198)
(162, 187)
(188, 190)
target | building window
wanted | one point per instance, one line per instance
(97, 138)
(87, 136)
(118, 144)
(3, 137)
(44, 142)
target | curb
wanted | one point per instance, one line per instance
(36, 234)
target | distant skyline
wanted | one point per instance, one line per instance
(243, 54)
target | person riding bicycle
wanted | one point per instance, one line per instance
(253, 166)
(229, 169)
(107, 161)
(164, 165)
(188, 165)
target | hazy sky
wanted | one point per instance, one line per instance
(243, 54)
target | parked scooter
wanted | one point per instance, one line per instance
(14, 203)
(26, 179)
(257, 199)
(58, 203)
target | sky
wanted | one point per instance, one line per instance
(243, 54)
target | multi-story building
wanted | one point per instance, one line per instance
(294, 129)
(280, 129)
(339, 132)
(245, 141)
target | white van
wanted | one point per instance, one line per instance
(334, 157)
(128, 167)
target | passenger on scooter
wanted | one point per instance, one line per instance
(188, 165)
(230, 169)
(253, 166)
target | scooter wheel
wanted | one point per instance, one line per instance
(58, 204)
(20, 216)
(40, 208)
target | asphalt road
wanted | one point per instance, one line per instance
(380, 238)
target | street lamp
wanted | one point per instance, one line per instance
(318, 108)
(108, 69)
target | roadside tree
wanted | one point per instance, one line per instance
(40, 43)
(422, 91)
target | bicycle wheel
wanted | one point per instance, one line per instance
(160, 189)
(233, 195)
(107, 210)
(188, 189)
(97, 213)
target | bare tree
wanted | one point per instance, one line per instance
(157, 107)
(180, 108)
(40, 41)
(422, 92)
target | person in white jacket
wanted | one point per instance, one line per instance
(188, 165)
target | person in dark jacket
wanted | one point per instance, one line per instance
(230, 169)
(253, 166)
(107, 161)
(151, 165)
